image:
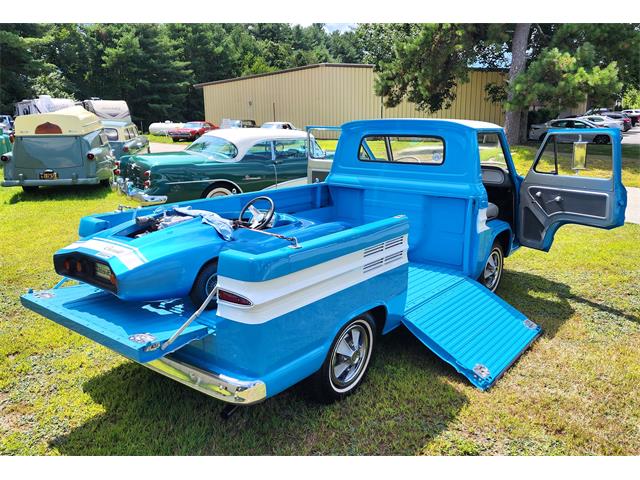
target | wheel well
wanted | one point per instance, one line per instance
(221, 183)
(504, 238)
(379, 315)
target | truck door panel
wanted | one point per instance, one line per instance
(562, 187)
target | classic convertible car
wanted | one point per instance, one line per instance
(186, 253)
(191, 131)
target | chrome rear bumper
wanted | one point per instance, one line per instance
(125, 187)
(216, 385)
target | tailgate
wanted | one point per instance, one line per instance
(134, 329)
(465, 324)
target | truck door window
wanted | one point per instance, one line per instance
(490, 149)
(425, 150)
(560, 157)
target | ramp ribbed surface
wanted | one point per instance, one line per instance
(465, 324)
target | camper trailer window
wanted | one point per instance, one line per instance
(112, 134)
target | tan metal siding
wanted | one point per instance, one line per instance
(329, 95)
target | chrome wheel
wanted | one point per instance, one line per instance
(493, 269)
(350, 356)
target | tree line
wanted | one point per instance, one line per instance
(154, 66)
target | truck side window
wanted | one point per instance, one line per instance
(490, 149)
(558, 157)
(425, 150)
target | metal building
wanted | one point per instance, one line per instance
(332, 94)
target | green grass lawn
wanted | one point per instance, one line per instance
(576, 391)
(158, 138)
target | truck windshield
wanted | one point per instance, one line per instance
(217, 147)
(490, 148)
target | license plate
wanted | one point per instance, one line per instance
(49, 175)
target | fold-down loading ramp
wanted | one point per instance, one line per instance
(465, 324)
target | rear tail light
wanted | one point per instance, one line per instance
(117, 163)
(125, 149)
(147, 174)
(147, 183)
(117, 171)
(90, 156)
(4, 158)
(229, 297)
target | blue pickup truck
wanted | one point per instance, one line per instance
(241, 297)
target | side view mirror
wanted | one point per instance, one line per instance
(579, 161)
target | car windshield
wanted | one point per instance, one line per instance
(216, 147)
(192, 125)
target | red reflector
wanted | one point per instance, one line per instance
(147, 183)
(233, 298)
(48, 128)
(117, 171)
(125, 149)
(117, 163)
(67, 265)
(79, 266)
(90, 156)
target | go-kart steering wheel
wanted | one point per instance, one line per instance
(259, 218)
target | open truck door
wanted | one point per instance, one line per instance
(572, 180)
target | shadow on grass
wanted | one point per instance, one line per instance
(405, 401)
(547, 302)
(70, 192)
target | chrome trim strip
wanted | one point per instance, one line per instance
(216, 385)
(126, 188)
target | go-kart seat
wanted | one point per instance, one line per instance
(492, 211)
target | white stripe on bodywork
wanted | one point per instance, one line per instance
(129, 256)
(276, 297)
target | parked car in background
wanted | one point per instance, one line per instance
(282, 125)
(230, 123)
(7, 120)
(6, 144)
(596, 111)
(604, 122)
(191, 131)
(163, 128)
(124, 138)
(221, 162)
(626, 121)
(538, 131)
(65, 147)
(633, 114)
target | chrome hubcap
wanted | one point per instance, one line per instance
(492, 270)
(349, 355)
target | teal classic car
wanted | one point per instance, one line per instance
(5, 142)
(65, 147)
(221, 162)
(124, 138)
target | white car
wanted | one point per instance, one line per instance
(604, 122)
(162, 128)
(538, 131)
(283, 125)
